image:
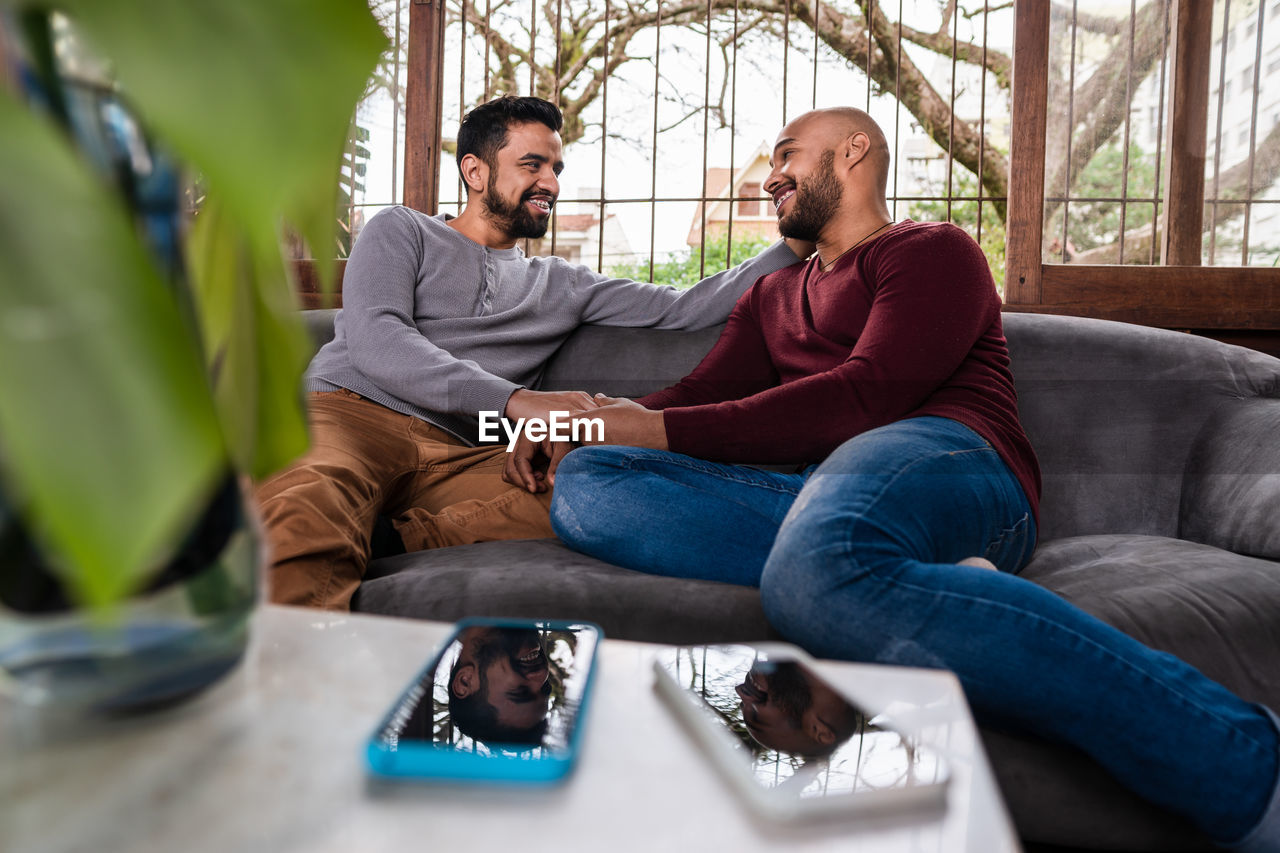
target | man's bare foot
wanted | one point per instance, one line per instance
(979, 563)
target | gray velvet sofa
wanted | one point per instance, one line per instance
(1160, 515)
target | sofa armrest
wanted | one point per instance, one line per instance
(1231, 485)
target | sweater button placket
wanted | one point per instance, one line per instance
(486, 296)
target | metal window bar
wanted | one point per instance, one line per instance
(1071, 125)
(533, 81)
(706, 124)
(555, 99)
(462, 84)
(533, 47)
(817, 26)
(653, 155)
(868, 68)
(1159, 173)
(488, 23)
(897, 97)
(733, 138)
(395, 110)
(1128, 115)
(982, 116)
(954, 7)
(1253, 136)
(604, 135)
(1217, 134)
(786, 50)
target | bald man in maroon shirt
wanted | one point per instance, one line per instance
(879, 370)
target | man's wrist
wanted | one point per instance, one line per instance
(513, 397)
(658, 430)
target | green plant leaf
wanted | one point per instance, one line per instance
(108, 434)
(255, 94)
(256, 346)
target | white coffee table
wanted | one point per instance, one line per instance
(271, 760)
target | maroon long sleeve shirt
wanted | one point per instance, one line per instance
(906, 326)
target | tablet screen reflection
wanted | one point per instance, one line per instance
(799, 731)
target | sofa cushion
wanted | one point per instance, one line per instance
(1214, 609)
(542, 578)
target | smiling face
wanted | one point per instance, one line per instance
(523, 181)
(806, 191)
(500, 687)
(829, 169)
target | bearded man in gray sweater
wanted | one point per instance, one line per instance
(444, 319)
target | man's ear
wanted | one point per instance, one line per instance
(466, 681)
(475, 173)
(821, 732)
(856, 148)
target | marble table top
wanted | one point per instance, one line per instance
(271, 759)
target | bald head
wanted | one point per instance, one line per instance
(837, 126)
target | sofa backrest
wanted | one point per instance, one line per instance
(1113, 410)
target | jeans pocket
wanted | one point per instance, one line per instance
(1008, 550)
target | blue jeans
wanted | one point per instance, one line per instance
(856, 560)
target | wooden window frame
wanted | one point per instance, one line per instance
(1239, 304)
(424, 105)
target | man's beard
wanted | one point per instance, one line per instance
(815, 203)
(515, 220)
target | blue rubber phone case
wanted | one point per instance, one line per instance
(459, 757)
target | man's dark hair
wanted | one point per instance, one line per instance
(484, 130)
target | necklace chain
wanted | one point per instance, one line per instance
(827, 266)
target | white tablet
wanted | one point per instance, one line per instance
(793, 746)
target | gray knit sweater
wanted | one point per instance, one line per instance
(436, 326)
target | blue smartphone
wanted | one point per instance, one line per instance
(501, 701)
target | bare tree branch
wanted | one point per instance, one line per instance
(948, 12)
(1063, 15)
(986, 10)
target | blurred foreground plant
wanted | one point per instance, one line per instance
(118, 415)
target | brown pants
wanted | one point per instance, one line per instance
(366, 460)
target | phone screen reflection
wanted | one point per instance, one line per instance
(498, 687)
(800, 733)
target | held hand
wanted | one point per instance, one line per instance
(626, 422)
(518, 470)
(539, 404)
(802, 248)
(523, 463)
